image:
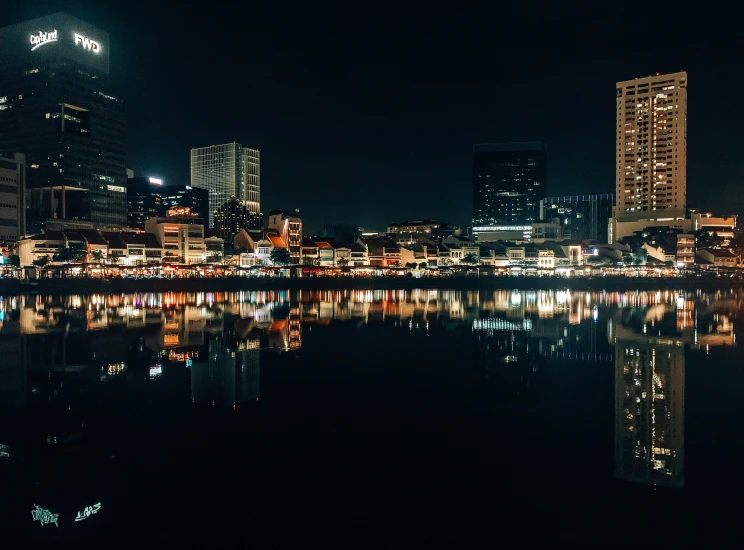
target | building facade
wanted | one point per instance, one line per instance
(56, 108)
(252, 174)
(184, 199)
(582, 217)
(149, 198)
(227, 171)
(143, 201)
(232, 217)
(413, 228)
(509, 180)
(651, 147)
(12, 197)
(289, 229)
(182, 238)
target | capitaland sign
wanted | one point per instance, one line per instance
(87, 43)
(43, 38)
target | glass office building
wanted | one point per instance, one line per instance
(508, 183)
(582, 217)
(149, 198)
(184, 197)
(227, 171)
(143, 201)
(56, 108)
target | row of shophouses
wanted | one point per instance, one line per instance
(255, 248)
(183, 241)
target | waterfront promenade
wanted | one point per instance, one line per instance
(711, 281)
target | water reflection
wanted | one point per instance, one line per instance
(64, 358)
(229, 374)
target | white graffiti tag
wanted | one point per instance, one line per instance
(89, 511)
(44, 516)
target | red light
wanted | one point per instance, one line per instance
(657, 74)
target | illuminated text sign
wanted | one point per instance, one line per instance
(87, 43)
(38, 40)
(156, 181)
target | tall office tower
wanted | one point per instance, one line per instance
(651, 170)
(55, 107)
(143, 201)
(227, 171)
(252, 171)
(12, 197)
(508, 182)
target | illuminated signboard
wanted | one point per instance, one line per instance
(39, 40)
(180, 212)
(156, 181)
(87, 43)
(44, 516)
(117, 188)
(88, 511)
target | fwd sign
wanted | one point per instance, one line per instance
(87, 43)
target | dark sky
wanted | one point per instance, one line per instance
(367, 113)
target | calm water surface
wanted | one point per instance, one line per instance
(475, 414)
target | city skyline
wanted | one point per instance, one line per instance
(331, 113)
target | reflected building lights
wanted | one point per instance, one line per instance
(55, 346)
(230, 377)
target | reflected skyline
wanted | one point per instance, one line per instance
(69, 362)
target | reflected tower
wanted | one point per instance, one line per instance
(230, 376)
(649, 408)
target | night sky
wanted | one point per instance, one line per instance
(367, 113)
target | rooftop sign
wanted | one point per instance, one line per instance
(87, 43)
(43, 38)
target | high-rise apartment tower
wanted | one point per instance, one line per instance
(651, 143)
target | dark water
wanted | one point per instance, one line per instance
(458, 417)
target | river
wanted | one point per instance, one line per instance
(460, 413)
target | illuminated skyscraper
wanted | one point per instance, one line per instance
(56, 108)
(227, 171)
(508, 183)
(651, 143)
